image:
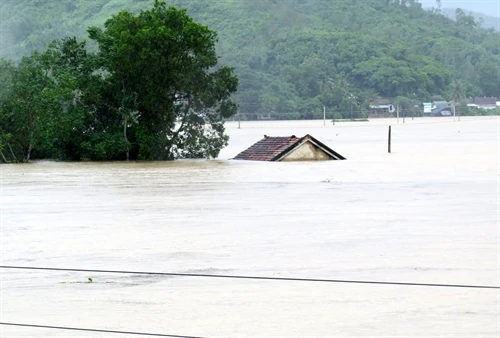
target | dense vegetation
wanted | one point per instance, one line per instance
(149, 92)
(486, 21)
(292, 58)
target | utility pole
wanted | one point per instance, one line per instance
(397, 112)
(389, 141)
(324, 115)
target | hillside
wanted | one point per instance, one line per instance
(294, 56)
(485, 21)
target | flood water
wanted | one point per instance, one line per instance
(428, 213)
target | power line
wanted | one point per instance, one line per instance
(293, 279)
(96, 330)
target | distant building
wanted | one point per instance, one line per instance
(427, 107)
(472, 105)
(289, 148)
(486, 102)
(439, 108)
(266, 116)
(482, 102)
(382, 108)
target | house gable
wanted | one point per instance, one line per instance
(307, 151)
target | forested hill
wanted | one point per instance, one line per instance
(486, 21)
(297, 55)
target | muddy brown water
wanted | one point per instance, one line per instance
(428, 212)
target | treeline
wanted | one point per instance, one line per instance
(149, 92)
(344, 53)
(296, 56)
(331, 115)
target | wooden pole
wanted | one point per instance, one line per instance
(389, 140)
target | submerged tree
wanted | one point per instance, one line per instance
(54, 105)
(26, 106)
(151, 92)
(160, 64)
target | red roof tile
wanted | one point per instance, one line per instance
(268, 148)
(274, 148)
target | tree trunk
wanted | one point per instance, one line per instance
(12, 153)
(30, 147)
(14, 158)
(28, 153)
(125, 135)
(125, 119)
(3, 156)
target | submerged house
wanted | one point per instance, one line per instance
(289, 148)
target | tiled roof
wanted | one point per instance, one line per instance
(486, 101)
(274, 148)
(269, 148)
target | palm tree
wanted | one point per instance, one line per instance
(371, 98)
(457, 92)
(343, 86)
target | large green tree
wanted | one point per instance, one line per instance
(56, 104)
(161, 68)
(152, 91)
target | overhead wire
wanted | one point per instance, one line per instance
(291, 279)
(96, 330)
(175, 274)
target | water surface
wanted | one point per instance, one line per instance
(428, 212)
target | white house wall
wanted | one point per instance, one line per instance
(307, 152)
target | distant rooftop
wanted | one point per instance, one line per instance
(485, 101)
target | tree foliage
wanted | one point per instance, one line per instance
(151, 91)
